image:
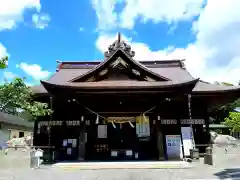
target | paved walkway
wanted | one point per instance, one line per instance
(226, 166)
(48, 173)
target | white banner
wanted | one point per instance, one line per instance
(174, 148)
(188, 140)
(102, 131)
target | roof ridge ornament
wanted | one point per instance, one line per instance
(119, 44)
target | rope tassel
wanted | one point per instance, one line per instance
(131, 124)
(113, 125)
(145, 119)
(97, 119)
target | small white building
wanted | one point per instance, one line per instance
(13, 127)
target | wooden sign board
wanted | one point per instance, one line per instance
(59, 123)
(183, 121)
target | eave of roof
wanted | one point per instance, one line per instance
(121, 84)
(175, 72)
(15, 120)
(204, 87)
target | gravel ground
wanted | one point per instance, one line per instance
(227, 165)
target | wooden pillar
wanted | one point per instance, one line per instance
(208, 138)
(35, 132)
(81, 141)
(180, 132)
(50, 150)
(160, 141)
(179, 113)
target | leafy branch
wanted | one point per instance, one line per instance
(3, 62)
(16, 98)
(233, 121)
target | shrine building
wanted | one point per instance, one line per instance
(124, 109)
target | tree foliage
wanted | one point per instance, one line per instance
(3, 62)
(233, 121)
(16, 99)
(224, 111)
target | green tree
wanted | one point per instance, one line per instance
(16, 99)
(3, 62)
(223, 112)
(233, 121)
(220, 113)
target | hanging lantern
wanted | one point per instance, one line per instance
(82, 118)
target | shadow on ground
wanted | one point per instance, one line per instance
(229, 173)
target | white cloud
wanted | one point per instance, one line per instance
(159, 10)
(217, 30)
(29, 84)
(106, 15)
(81, 29)
(145, 10)
(3, 51)
(34, 70)
(11, 11)
(9, 75)
(40, 21)
(215, 55)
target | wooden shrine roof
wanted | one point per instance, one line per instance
(122, 84)
(172, 69)
(166, 73)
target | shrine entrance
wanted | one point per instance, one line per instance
(121, 139)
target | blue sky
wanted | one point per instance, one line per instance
(36, 33)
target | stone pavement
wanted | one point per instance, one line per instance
(226, 166)
(124, 174)
(48, 173)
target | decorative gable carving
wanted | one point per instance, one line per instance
(91, 79)
(136, 72)
(103, 72)
(119, 63)
(149, 79)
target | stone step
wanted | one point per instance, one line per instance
(125, 165)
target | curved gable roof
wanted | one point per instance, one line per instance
(120, 47)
